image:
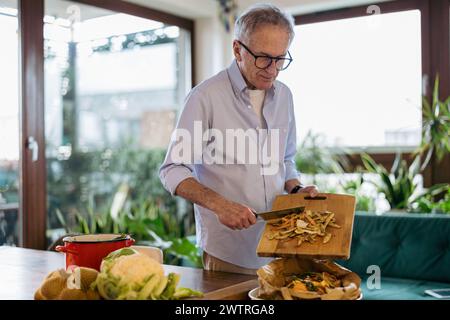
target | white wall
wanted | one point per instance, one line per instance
(213, 46)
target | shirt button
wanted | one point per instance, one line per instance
(249, 106)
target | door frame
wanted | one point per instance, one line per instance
(32, 176)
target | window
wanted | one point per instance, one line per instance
(114, 84)
(358, 81)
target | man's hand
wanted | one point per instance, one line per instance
(235, 216)
(231, 214)
(292, 184)
(312, 190)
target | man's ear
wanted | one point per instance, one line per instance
(237, 50)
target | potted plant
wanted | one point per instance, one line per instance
(426, 204)
(313, 158)
(436, 127)
(363, 202)
(400, 185)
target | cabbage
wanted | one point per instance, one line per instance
(126, 274)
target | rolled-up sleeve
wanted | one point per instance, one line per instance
(184, 149)
(291, 147)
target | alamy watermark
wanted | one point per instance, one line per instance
(74, 12)
(374, 280)
(374, 21)
(234, 146)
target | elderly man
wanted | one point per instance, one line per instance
(242, 102)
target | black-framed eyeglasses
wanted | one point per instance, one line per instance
(263, 62)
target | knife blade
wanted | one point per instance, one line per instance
(278, 213)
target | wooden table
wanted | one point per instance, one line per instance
(22, 272)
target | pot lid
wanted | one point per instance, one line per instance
(94, 238)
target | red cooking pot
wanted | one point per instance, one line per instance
(89, 250)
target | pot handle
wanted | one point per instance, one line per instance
(65, 250)
(129, 242)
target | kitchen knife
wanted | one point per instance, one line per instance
(278, 213)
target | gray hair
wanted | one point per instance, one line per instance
(262, 14)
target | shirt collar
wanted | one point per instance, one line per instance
(238, 82)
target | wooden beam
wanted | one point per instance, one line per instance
(384, 159)
(440, 43)
(32, 173)
(439, 50)
(360, 11)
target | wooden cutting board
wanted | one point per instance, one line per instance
(343, 206)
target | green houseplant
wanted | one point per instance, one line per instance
(400, 185)
(354, 187)
(426, 204)
(312, 158)
(436, 127)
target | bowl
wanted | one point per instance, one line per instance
(254, 294)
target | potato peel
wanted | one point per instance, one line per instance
(304, 227)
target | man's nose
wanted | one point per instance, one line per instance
(272, 68)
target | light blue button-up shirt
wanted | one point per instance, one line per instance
(222, 103)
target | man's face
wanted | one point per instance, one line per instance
(267, 40)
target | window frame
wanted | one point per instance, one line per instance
(32, 175)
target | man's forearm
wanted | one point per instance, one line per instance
(231, 214)
(192, 190)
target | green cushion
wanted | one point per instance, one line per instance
(401, 289)
(409, 246)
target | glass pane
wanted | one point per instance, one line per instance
(114, 84)
(9, 128)
(358, 82)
